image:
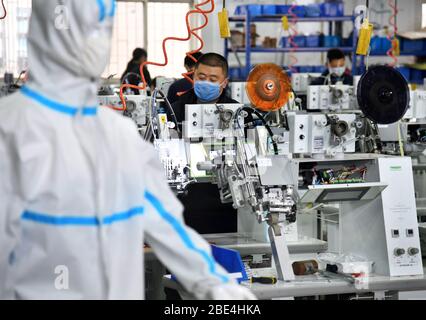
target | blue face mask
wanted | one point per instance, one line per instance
(207, 91)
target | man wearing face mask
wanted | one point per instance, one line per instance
(210, 82)
(336, 72)
(77, 200)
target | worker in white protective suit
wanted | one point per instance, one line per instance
(80, 191)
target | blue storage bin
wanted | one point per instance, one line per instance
(313, 41)
(386, 45)
(417, 76)
(231, 261)
(269, 9)
(284, 42)
(332, 41)
(332, 9)
(376, 46)
(319, 69)
(413, 45)
(253, 9)
(306, 69)
(300, 41)
(299, 11)
(234, 73)
(313, 10)
(348, 42)
(406, 72)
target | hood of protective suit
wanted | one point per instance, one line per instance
(69, 48)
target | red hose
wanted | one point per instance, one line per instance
(392, 37)
(191, 32)
(294, 33)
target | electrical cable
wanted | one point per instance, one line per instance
(191, 32)
(268, 128)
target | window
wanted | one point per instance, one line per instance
(13, 37)
(164, 19)
(424, 15)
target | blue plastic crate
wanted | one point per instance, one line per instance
(417, 76)
(306, 69)
(269, 9)
(332, 41)
(406, 72)
(299, 11)
(332, 9)
(319, 69)
(300, 41)
(376, 46)
(413, 45)
(348, 42)
(313, 41)
(234, 73)
(386, 44)
(253, 9)
(313, 10)
(231, 261)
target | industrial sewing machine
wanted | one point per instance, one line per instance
(154, 126)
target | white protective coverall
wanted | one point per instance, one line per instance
(80, 191)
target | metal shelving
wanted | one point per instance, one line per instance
(248, 19)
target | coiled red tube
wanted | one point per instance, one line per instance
(191, 32)
(392, 36)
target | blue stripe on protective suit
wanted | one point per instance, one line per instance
(102, 10)
(81, 221)
(56, 106)
(180, 230)
(113, 8)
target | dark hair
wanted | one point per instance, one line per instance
(139, 53)
(191, 63)
(335, 54)
(214, 60)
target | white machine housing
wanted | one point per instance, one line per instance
(239, 92)
(417, 108)
(204, 121)
(301, 81)
(137, 106)
(330, 97)
(314, 135)
(387, 230)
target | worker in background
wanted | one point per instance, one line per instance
(80, 191)
(132, 73)
(183, 85)
(336, 72)
(210, 82)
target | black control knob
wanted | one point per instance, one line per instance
(195, 123)
(302, 137)
(413, 251)
(399, 252)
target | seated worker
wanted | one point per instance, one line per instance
(183, 85)
(210, 82)
(337, 71)
(132, 73)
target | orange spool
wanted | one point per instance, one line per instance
(268, 87)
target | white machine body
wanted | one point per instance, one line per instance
(386, 229)
(301, 81)
(417, 108)
(137, 106)
(239, 92)
(203, 121)
(334, 97)
(316, 133)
